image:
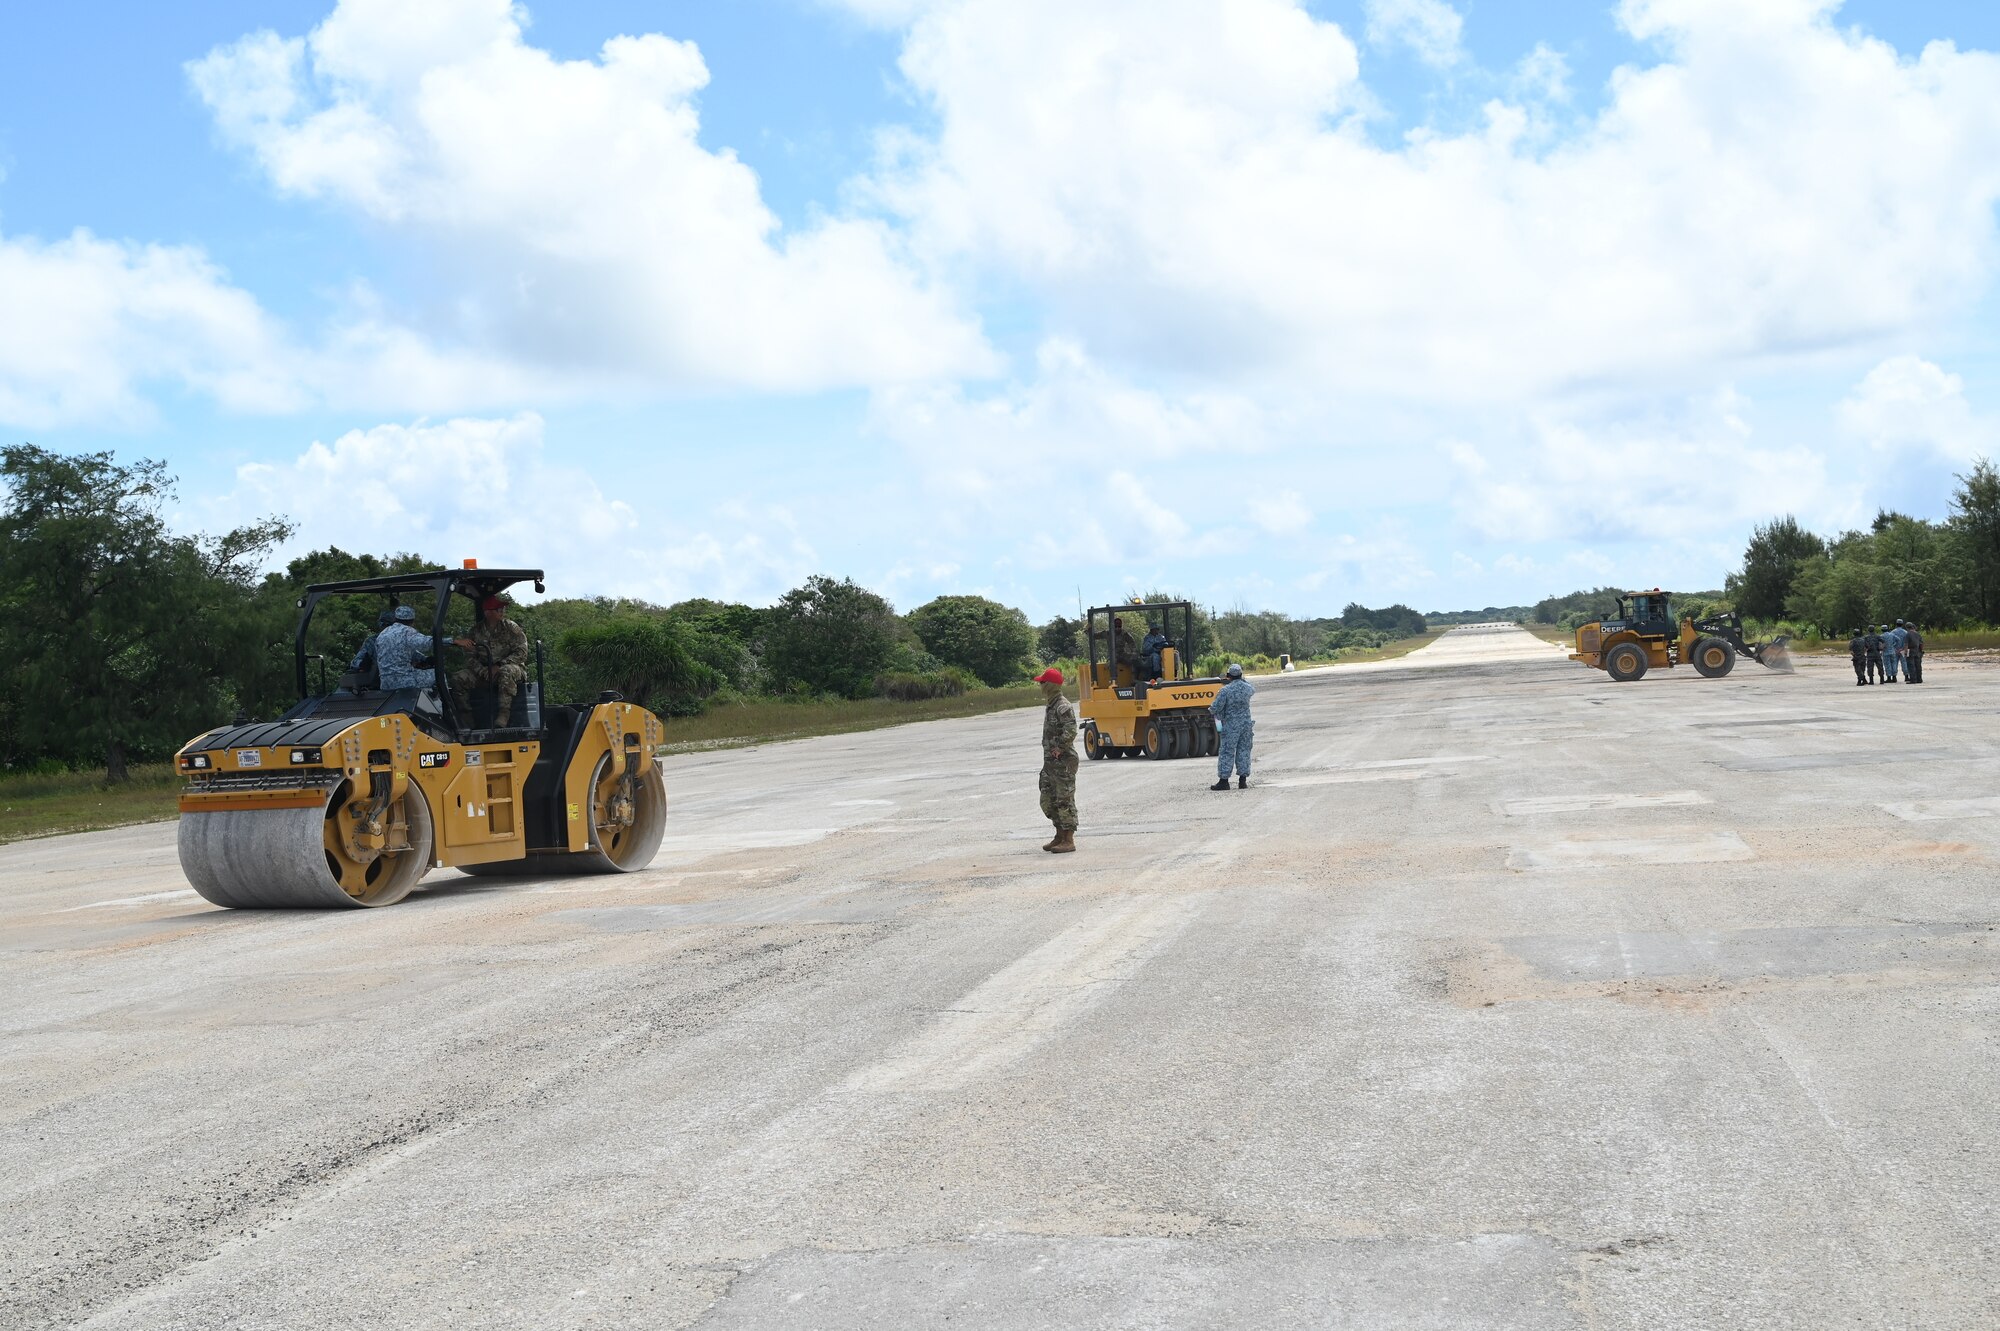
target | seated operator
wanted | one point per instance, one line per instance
(398, 649)
(364, 660)
(1155, 643)
(1131, 643)
(499, 649)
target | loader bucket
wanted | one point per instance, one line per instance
(1774, 655)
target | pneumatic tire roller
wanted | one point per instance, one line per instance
(357, 792)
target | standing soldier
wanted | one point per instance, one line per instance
(499, 650)
(1231, 710)
(1892, 650)
(1871, 647)
(1058, 761)
(1913, 654)
(1857, 651)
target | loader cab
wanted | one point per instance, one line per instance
(1649, 614)
(335, 617)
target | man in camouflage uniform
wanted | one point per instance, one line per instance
(1231, 710)
(1058, 761)
(499, 650)
(399, 648)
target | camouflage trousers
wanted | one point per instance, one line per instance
(1059, 793)
(1234, 750)
(507, 683)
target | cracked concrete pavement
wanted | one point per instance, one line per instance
(1506, 997)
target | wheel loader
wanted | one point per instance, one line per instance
(1645, 635)
(357, 792)
(1136, 703)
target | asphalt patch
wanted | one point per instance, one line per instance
(1751, 953)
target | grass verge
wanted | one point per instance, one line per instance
(38, 806)
(1388, 651)
(1938, 640)
(765, 720)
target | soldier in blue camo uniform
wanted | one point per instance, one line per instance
(1058, 761)
(398, 648)
(365, 658)
(1231, 710)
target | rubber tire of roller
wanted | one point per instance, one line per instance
(275, 859)
(1153, 743)
(1093, 747)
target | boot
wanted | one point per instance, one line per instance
(1242, 783)
(1063, 844)
(1223, 784)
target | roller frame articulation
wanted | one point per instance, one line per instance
(633, 853)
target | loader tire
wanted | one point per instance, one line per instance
(1713, 657)
(1625, 662)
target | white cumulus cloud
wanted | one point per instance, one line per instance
(1431, 29)
(1282, 513)
(1181, 184)
(574, 217)
(488, 488)
(92, 326)
(1667, 476)
(1908, 403)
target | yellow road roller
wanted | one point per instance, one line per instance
(358, 791)
(1139, 696)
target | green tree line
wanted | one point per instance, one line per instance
(1940, 574)
(1943, 574)
(1581, 607)
(125, 638)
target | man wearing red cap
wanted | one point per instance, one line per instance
(1058, 761)
(499, 650)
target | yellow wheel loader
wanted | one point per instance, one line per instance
(1139, 697)
(1645, 635)
(357, 792)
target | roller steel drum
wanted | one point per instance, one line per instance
(292, 859)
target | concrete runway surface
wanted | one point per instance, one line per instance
(1506, 997)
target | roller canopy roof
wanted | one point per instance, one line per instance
(485, 580)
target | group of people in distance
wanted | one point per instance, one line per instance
(1882, 655)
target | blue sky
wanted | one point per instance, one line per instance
(1274, 304)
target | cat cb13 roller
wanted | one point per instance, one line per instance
(358, 791)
